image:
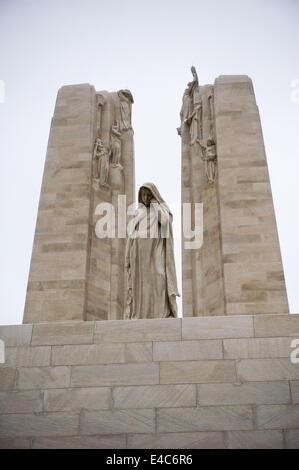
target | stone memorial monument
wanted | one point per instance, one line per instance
(226, 375)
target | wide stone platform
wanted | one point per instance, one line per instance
(203, 382)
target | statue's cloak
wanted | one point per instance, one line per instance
(150, 265)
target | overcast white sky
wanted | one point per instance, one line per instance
(148, 47)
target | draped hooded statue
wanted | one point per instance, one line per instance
(150, 266)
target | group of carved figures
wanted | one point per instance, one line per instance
(192, 117)
(104, 157)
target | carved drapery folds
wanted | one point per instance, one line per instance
(116, 145)
(209, 157)
(126, 100)
(101, 164)
(100, 104)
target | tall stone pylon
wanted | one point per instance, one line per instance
(75, 274)
(238, 269)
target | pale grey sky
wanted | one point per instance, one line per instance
(148, 47)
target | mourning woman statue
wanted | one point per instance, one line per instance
(150, 266)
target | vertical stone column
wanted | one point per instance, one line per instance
(99, 270)
(106, 279)
(253, 272)
(57, 278)
(74, 275)
(122, 184)
(187, 271)
(238, 269)
(203, 292)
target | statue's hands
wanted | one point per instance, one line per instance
(173, 306)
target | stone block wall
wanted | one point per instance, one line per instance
(202, 382)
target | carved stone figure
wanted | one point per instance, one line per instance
(209, 157)
(126, 100)
(211, 109)
(100, 104)
(150, 266)
(115, 145)
(104, 166)
(193, 122)
(95, 160)
(186, 110)
(194, 87)
(101, 157)
(191, 108)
